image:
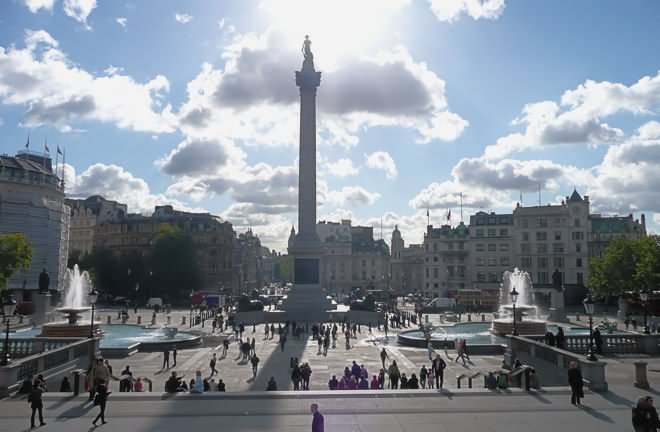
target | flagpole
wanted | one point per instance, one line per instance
(461, 206)
(57, 159)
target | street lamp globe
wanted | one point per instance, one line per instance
(588, 305)
(93, 296)
(8, 305)
(514, 295)
(644, 296)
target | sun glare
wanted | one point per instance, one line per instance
(338, 28)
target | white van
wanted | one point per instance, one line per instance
(153, 301)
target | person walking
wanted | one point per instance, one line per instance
(255, 362)
(212, 365)
(166, 358)
(423, 373)
(644, 415)
(394, 374)
(560, 338)
(438, 366)
(598, 341)
(36, 403)
(282, 341)
(295, 377)
(576, 383)
(266, 331)
(174, 356)
(253, 349)
(383, 356)
(317, 419)
(101, 399)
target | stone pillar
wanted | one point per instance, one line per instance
(41, 304)
(557, 309)
(641, 381)
(139, 319)
(623, 309)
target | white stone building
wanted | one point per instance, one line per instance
(445, 260)
(32, 203)
(85, 215)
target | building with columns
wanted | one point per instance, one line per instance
(32, 203)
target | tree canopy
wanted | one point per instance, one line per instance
(626, 265)
(15, 254)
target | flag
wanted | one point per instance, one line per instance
(27, 144)
(46, 147)
(58, 149)
(449, 215)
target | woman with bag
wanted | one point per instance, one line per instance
(100, 400)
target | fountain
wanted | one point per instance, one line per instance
(75, 303)
(526, 319)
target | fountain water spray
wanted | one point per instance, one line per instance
(77, 287)
(526, 311)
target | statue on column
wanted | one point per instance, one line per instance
(44, 282)
(307, 49)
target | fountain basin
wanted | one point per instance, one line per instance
(504, 326)
(65, 329)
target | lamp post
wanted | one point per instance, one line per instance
(644, 296)
(93, 296)
(589, 310)
(8, 308)
(514, 299)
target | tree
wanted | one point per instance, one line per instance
(15, 254)
(282, 268)
(647, 266)
(175, 266)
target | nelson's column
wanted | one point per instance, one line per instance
(306, 300)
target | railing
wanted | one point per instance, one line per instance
(23, 347)
(50, 363)
(624, 343)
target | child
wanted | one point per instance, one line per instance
(431, 379)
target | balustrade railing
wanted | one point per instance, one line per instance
(624, 343)
(23, 347)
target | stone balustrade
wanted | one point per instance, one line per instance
(618, 343)
(52, 363)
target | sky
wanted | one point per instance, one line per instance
(193, 103)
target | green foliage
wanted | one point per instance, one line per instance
(626, 265)
(15, 254)
(175, 267)
(283, 268)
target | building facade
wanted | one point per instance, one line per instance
(606, 228)
(446, 252)
(85, 215)
(253, 264)
(32, 203)
(212, 236)
(406, 266)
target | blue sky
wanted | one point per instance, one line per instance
(193, 103)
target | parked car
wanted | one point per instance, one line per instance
(154, 301)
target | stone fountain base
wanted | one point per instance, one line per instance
(503, 327)
(73, 327)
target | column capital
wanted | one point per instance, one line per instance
(308, 79)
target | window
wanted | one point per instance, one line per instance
(481, 261)
(576, 222)
(364, 263)
(492, 262)
(504, 232)
(578, 262)
(492, 277)
(558, 248)
(435, 273)
(364, 275)
(435, 258)
(525, 262)
(580, 278)
(492, 232)
(557, 235)
(558, 262)
(542, 262)
(504, 261)
(492, 247)
(525, 248)
(542, 248)
(525, 236)
(435, 285)
(435, 247)
(542, 222)
(450, 246)
(504, 247)
(542, 277)
(541, 236)
(577, 235)
(480, 232)
(427, 272)
(578, 247)
(481, 277)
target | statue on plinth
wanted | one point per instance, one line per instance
(307, 49)
(44, 282)
(557, 280)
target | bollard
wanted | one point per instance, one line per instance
(641, 380)
(139, 320)
(483, 317)
(124, 319)
(469, 317)
(169, 320)
(76, 382)
(183, 320)
(109, 319)
(20, 319)
(577, 317)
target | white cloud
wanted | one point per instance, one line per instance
(447, 194)
(451, 10)
(115, 183)
(252, 99)
(183, 18)
(122, 21)
(55, 91)
(352, 196)
(79, 10)
(341, 168)
(383, 161)
(195, 157)
(36, 5)
(578, 118)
